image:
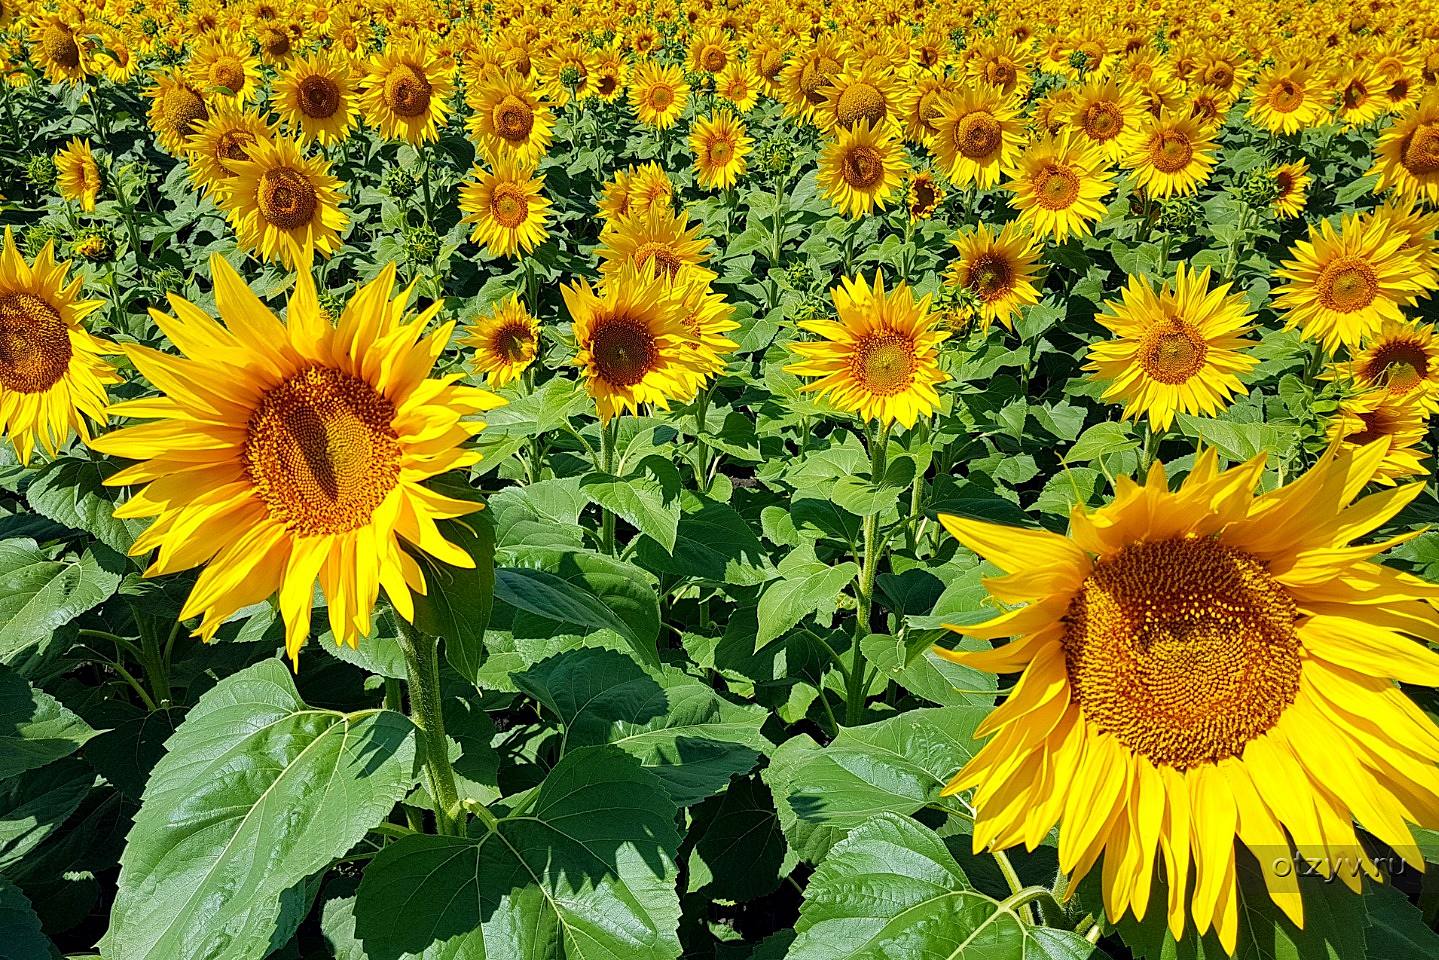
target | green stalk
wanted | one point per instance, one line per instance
(607, 462)
(422, 675)
(869, 565)
(702, 450)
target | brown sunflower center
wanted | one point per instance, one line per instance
(859, 101)
(1421, 153)
(286, 198)
(1284, 183)
(34, 344)
(662, 96)
(1170, 151)
(991, 276)
(719, 151)
(1398, 90)
(1173, 353)
(978, 135)
(275, 43)
(1101, 121)
(1356, 94)
(1056, 187)
(1374, 425)
(509, 205)
(407, 90)
(713, 58)
(512, 342)
(814, 75)
(319, 97)
(624, 350)
(1219, 75)
(1000, 73)
(322, 452)
(925, 196)
(660, 258)
(862, 167)
(233, 145)
(884, 364)
(228, 73)
(513, 119)
(58, 46)
(1400, 364)
(181, 109)
(1183, 650)
(1347, 284)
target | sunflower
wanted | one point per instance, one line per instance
(740, 85)
(568, 69)
(282, 203)
(1291, 180)
(976, 134)
(634, 347)
(230, 134)
(1058, 183)
(315, 97)
(1407, 154)
(923, 196)
(720, 146)
(609, 74)
(1200, 667)
(867, 94)
(861, 168)
(286, 453)
(1003, 63)
(77, 174)
(1361, 89)
(1343, 285)
(1287, 98)
(1174, 154)
(1420, 229)
(507, 207)
(52, 376)
(407, 93)
(768, 59)
(61, 53)
(999, 268)
(223, 69)
(504, 342)
(658, 94)
(650, 187)
(708, 317)
(658, 241)
(1210, 105)
(879, 358)
(807, 74)
(1402, 360)
(510, 118)
(176, 106)
(710, 52)
(1174, 350)
(1108, 116)
(1402, 425)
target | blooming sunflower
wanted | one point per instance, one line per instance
(286, 453)
(720, 146)
(659, 241)
(1400, 359)
(807, 74)
(634, 347)
(52, 376)
(507, 207)
(708, 317)
(504, 342)
(1174, 154)
(407, 93)
(1342, 285)
(315, 97)
(77, 174)
(710, 52)
(1292, 182)
(60, 52)
(1058, 183)
(510, 118)
(1380, 416)
(1361, 89)
(923, 195)
(1204, 666)
(1420, 229)
(1175, 350)
(861, 168)
(658, 94)
(1002, 63)
(1108, 116)
(176, 106)
(879, 358)
(229, 134)
(999, 268)
(739, 84)
(976, 135)
(868, 94)
(1406, 158)
(222, 68)
(282, 203)
(1286, 98)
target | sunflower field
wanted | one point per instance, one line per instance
(722, 480)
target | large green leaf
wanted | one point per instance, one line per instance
(587, 873)
(34, 806)
(892, 891)
(72, 491)
(713, 542)
(256, 793)
(689, 736)
(803, 591)
(39, 595)
(641, 500)
(35, 728)
(20, 934)
(739, 852)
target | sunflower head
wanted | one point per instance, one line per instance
(505, 341)
(861, 168)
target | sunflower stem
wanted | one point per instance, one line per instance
(916, 497)
(702, 450)
(422, 675)
(607, 465)
(869, 564)
(1021, 897)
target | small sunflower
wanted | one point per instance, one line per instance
(710, 52)
(507, 207)
(1407, 154)
(1108, 116)
(1402, 360)
(52, 377)
(316, 98)
(1173, 154)
(1343, 285)
(879, 358)
(740, 85)
(1287, 98)
(510, 118)
(59, 50)
(658, 94)
(720, 146)
(1379, 416)
(923, 196)
(176, 107)
(807, 74)
(868, 95)
(861, 168)
(229, 135)
(1292, 182)
(1177, 349)
(282, 203)
(658, 241)
(976, 135)
(505, 341)
(999, 268)
(283, 454)
(223, 69)
(407, 93)
(1058, 185)
(1361, 90)
(77, 175)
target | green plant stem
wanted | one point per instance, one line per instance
(607, 464)
(422, 673)
(1021, 897)
(395, 700)
(425, 183)
(916, 496)
(702, 450)
(869, 565)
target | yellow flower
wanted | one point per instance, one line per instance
(720, 147)
(658, 241)
(809, 72)
(505, 342)
(739, 84)
(658, 94)
(1406, 158)
(223, 69)
(1362, 90)
(1173, 154)
(976, 134)
(510, 118)
(1292, 180)
(51, 374)
(1203, 668)
(879, 358)
(1402, 360)
(868, 94)
(61, 53)
(77, 174)
(282, 203)
(1108, 116)
(923, 196)
(1398, 424)
(407, 92)
(999, 268)
(1287, 98)
(507, 208)
(1175, 350)
(176, 107)
(229, 135)
(1058, 185)
(315, 97)
(710, 52)
(861, 169)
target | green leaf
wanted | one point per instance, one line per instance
(39, 595)
(739, 851)
(1396, 926)
(712, 542)
(587, 873)
(20, 934)
(72, 492)
(862, 496)
(641, 500)
(458, 601)
(1101, 440)
(929, 675)
(892, 890)
(256, 793)
(35, 728)
(786, 602)
(34, 806)
(680, 729)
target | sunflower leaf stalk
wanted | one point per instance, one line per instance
(422, 676)
(869, 564)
